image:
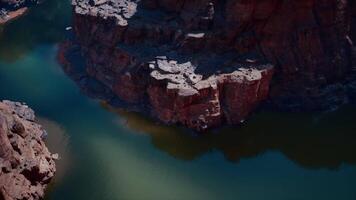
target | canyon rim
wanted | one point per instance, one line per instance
(205, 63)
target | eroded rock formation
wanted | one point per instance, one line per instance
(10, 9)
(154, 60)
(203, 62)
(26, 165)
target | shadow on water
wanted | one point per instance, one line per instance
(105, 160)
(57, 142)
(44, 24)
(324, 141)
(312, 140)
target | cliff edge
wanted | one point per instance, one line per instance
(202, 63)
(26, 165)
(11, 9)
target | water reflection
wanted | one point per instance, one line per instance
(44, 24)
(57, 141)
(110, 162)
(312, 141)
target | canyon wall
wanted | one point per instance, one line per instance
(26, 165)
(202, 62)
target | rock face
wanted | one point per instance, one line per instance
(203, 62)
(152, 59)
(10, 9)
(25, 162)
(177, 94)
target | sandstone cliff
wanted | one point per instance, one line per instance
(10, 9)
(26, 165)
(203, 62)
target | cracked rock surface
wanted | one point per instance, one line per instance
(10, 9)
(26, 165)
(202, 63)
(148, 58)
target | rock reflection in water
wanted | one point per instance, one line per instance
(58, 142)
(327, 142)
(312, 140)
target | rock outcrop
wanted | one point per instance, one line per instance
(26, 165)
(152, 59)
(203, 62)
(10, 9)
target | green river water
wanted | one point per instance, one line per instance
(109, 154)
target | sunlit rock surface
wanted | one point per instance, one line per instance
(10, 9)
(25, 162)
(184, 73)
(141, 49)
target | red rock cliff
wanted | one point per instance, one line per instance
(10, 9)
(25, 162)
(203, 62)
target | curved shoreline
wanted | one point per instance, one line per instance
(197, 64)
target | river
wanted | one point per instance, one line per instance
(111, 154)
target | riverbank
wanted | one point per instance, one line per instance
(26, 164)
(11, 15)
(116, 155)
(12, 9)
(202, 65)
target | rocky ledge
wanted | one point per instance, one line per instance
(10, 9)
(201, 63)
(26, 165)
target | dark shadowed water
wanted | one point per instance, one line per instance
(110, 154)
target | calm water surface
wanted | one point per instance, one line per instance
(110, 154)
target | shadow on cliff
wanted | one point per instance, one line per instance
(312, 141)
(42, 24)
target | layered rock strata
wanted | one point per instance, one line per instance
(140, 50)
(150, 59)
(26, 165)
